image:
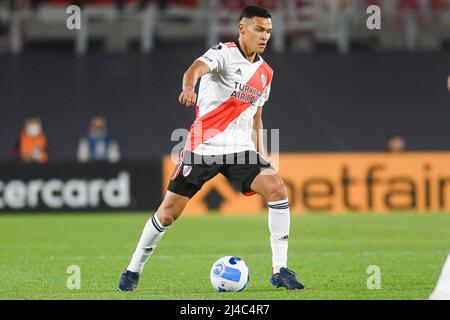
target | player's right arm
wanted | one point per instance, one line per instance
(212, 61)
(188, 97)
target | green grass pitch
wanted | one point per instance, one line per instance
(330, 253)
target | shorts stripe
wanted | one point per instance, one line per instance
(178, 167)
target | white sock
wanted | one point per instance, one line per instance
(442, 290)
(152, 234)
(279, 223)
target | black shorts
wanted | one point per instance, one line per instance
(194, 170)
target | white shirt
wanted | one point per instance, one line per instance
(228, 98)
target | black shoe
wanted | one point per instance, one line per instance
(128, 281)
(286, 278)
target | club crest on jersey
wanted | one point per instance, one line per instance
(263, 79)
(187, 170)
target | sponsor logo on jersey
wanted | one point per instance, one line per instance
(187, 170)
(246, 93)
(216, 47)
(208, 58)
(239, 72)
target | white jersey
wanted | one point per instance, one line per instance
(228, 98)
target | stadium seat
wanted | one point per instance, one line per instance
(438, 9)
(405, 7)
(183, 3)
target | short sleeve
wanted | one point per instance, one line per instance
(215, 57)
(265, 95)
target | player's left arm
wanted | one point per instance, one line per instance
(258, 127)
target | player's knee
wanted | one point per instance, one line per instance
(166, 217)
(168, 213)
(277, 192)
(165, 220)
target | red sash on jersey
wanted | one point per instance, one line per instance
(216, 121)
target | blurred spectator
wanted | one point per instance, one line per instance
(32, 145)
(98, 145)
(396, 143)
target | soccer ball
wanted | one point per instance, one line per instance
(229, 274)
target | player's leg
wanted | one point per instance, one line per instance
(270, 186)
(155, 228)
(187, 180)
(169, 210)
(251, 173)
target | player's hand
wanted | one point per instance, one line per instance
(188, 98)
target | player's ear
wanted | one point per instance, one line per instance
(241, 28)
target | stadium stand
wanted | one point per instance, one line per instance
(410, 24)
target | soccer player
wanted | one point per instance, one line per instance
(235, 84)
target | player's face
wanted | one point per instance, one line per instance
(256, 33)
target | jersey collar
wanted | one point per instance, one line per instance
(257, 58)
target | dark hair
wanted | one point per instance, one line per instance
(254, 11)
